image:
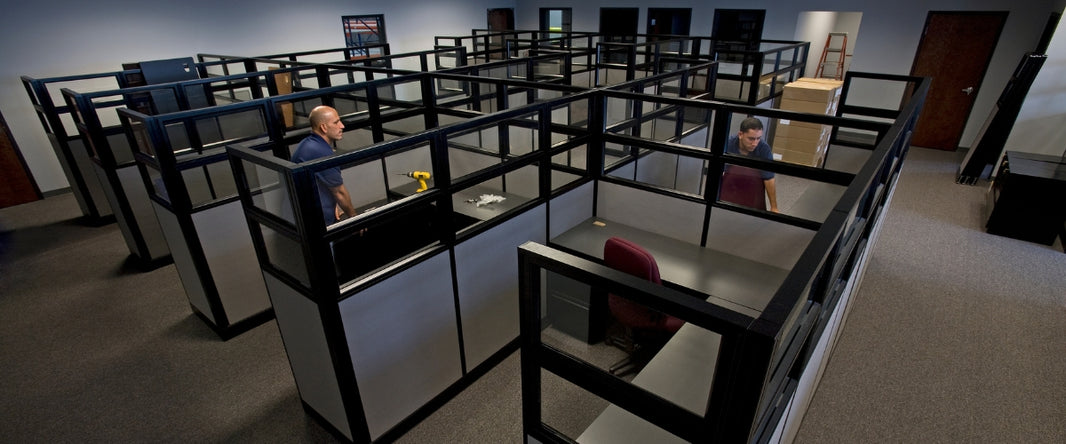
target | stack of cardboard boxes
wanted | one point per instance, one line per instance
(801, 142)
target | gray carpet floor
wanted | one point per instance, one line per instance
(955, 336)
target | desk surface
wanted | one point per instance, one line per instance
(736, 283)
(1037, 165)
(682, 373)
(465, 202)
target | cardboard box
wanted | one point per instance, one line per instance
(808, 159)
(839, 83)
(800, 145)
(812, 92)
(805, 106)
(785, 128)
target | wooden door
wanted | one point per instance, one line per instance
(499, 20)
(955, 51)
(16, 184)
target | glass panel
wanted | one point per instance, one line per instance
(119, 146)
(745, 186)
(355, 139)
(805, 198)
(409, 172)
(177, 136)
(494, 197)
(575, 157)
(156, 180)
(409, 125)
(561, 179)
(391, 234)
(671, 171)
(285, 254)
(615, 155)
(269, 190)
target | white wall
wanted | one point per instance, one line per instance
(815, 26)
(1041, 124)
(51, 38)
(889, 33)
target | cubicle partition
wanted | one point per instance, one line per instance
(227, 65)
(191, 187)
(97, 121)
(620, 62)
(386, 315)
(70, 146)
(762, 295)
(757, 76)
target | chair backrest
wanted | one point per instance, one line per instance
(629, 257)
(626, 256)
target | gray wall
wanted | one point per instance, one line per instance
(888, 35)
(51, 38)
(64, 37)
(1041, 124)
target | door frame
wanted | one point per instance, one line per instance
(984, 71)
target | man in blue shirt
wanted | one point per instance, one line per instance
(326, 130)
(742, 185)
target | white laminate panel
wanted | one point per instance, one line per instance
(94, 184)
(403, 341)
(183, 263)
(141, 204)
(227, 246)
(305, 343)
(486, 268)
(568, 210)
(757, 239)
(121, 218)
(656, 213)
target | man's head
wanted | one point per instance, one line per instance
(326, 123)
(750, 135)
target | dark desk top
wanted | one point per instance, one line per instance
(736, 283)
(466, 202)
(1037, 165)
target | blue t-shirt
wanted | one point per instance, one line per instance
(315, 147)
(762, 151)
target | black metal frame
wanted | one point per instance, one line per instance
(93, 207)
(307, 229)
(761, 358)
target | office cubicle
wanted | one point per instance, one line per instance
(70, 146)
(97, 121)
(498, 151)
(763, 295)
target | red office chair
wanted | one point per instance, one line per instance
(641, 324)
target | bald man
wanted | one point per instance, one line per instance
(326, 130)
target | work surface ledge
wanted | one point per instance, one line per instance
(738, 284)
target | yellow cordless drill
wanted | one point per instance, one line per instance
(421, 177)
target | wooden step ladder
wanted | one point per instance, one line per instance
(838, 46)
